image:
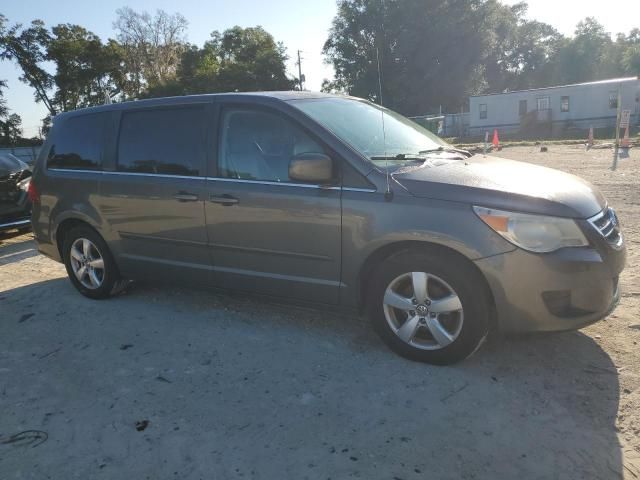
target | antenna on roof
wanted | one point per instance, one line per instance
(388, 194)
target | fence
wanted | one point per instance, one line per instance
(26, 154)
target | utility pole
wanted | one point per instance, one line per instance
(300, 76)
(617, 145)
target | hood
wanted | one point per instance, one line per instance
(13, 192)
(504, 184)
(10, 165)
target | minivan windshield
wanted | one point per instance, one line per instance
(359, 123)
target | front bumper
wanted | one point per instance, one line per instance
(15, 223)
(15, 211)
(563, 290)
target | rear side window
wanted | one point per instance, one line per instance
(77, 145)
(163, 141)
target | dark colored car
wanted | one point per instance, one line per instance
(326, 200)
(15, 206)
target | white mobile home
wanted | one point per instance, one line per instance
(555, 110)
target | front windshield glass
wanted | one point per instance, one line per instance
(359, 123)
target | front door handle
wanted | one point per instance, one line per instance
(225, 200)
(186, 197)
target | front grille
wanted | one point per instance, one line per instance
(607, 225)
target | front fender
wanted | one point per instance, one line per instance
(372, 227)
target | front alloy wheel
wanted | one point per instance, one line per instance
(429, 306)
(423, 310)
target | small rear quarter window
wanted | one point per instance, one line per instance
(77, 144)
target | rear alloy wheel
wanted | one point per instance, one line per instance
(429, 307)
(89, 264)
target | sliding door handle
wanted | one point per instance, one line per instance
(226, 199)
(186, 197)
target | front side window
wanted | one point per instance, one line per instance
(259, 145)
(78, 143)
(483, 111)
(168, 141)
(564, 104)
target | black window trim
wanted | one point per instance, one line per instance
(213, 116)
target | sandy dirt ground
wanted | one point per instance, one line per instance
(170, 383)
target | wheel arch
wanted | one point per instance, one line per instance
(66, 225)
(386, 251)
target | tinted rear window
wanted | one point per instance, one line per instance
(163, 141)
(77, 145)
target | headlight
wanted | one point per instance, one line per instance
(536, 233)
(24, 184)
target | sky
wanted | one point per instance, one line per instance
(299, 24)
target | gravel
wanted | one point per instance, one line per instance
(165, 382)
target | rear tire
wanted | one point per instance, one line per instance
(90, 265)
(429, 307)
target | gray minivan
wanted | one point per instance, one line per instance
(329, 200)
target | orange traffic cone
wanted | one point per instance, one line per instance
(590, 139)
(625, 140)
(496, 140)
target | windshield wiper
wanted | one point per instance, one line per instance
(446, 149)
(399, 156)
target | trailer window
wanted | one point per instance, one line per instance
(564, 104)
(522, 107)
(483, 111)
(543, 103)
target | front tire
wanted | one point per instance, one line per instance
(90, 265)
(429, 307)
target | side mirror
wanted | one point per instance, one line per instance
(311, 167)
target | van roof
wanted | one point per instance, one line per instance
(186, 99)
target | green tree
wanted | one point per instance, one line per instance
(585, 57)
(86, 70)
(238, 59)
(247, 59)
(520, 51)
(630, 52)
(430, 51)
(4, 110)
(152, 46)
(11, 130)
(10, 123)
(28, 48)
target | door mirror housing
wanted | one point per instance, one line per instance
(311, 167)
